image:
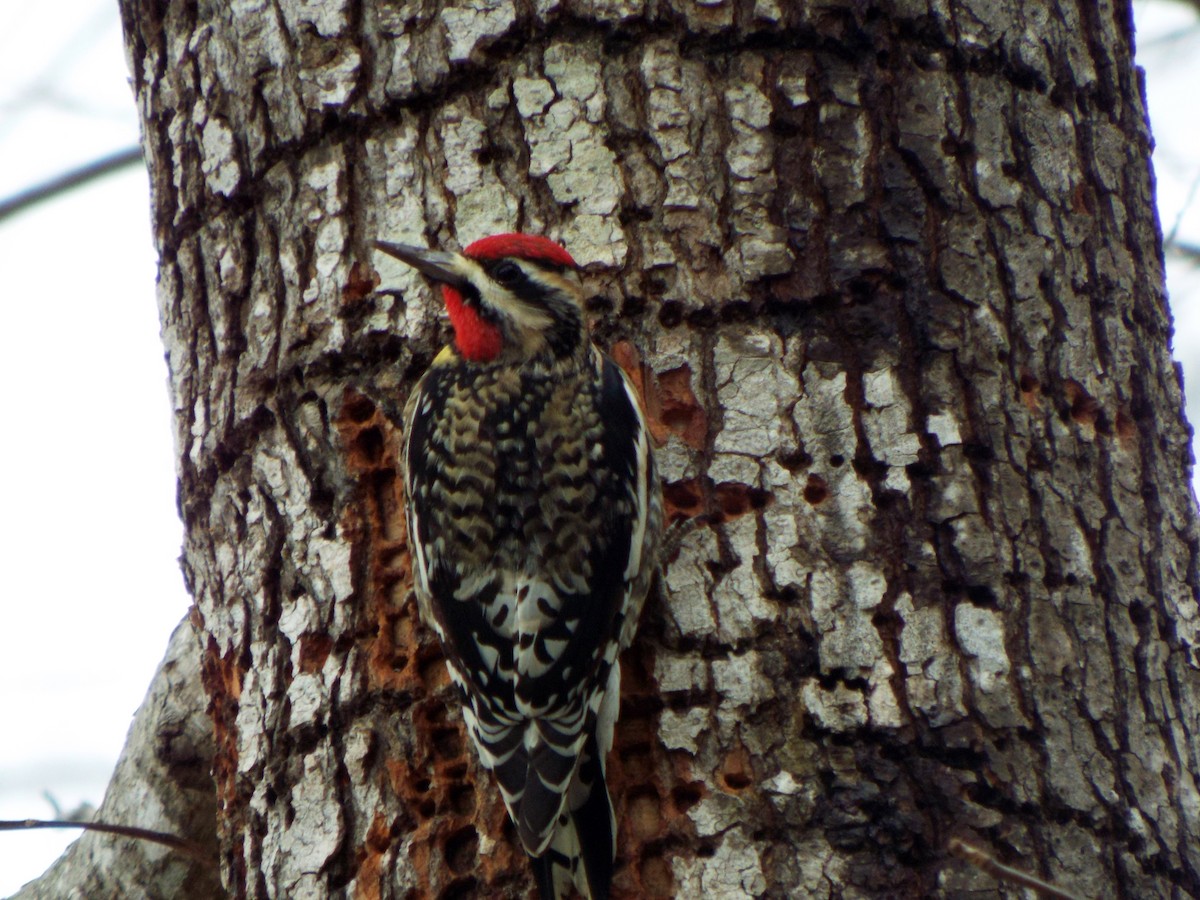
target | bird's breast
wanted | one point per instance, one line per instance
(517, 454)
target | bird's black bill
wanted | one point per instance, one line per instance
(435, 264)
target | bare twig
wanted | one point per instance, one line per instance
(1189, 252)
(60, 184)
(985, 862)
(674, 534)
(190, 849)
(1173, 234)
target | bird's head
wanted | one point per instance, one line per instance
(513, 295)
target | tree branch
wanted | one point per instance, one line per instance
(985, 862)
(60, 184)
(190, 849)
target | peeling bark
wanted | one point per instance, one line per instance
(895, 283)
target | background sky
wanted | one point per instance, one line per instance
(89, 537)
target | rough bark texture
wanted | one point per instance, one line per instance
(161, 783)
(894, 280)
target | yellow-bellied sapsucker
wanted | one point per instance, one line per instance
(534, 514)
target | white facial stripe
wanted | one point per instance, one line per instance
(524, 314)
(467, 268)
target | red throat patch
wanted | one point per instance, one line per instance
(476, 340)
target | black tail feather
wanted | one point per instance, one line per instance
(543, 871)
(593, 822)
(587, 823)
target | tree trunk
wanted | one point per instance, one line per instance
(894, 281)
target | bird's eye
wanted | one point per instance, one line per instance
(507, 273)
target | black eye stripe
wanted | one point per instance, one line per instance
(534, 283)
(494, 270)
(507, 273)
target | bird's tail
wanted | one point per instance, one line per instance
(582, 851)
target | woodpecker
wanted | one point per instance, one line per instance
(534, 514)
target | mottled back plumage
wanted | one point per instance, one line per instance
(534, 514)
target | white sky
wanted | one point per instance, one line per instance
(1169, 50)
(89, 584)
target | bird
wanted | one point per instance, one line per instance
(534, 515)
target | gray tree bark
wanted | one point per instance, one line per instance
(891, 276)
